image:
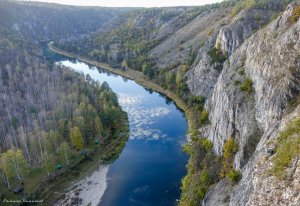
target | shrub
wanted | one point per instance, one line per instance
(236, 82)
(210, 31)
(148, 71)
(187, 149)
(206, 144)
(288, 143)
(230, 148)
(202, 43)
(197, 102)
(203, 169)
(229, 151)
(242, 71)
(204, 117)
(204, 182)
(246, 86)
(295, 15)
(192, 56)
(233, 175)
(216, 56)
(258, 17)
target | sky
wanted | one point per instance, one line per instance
(132, 3)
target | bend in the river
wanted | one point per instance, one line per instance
(150, 168)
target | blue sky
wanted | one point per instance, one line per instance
(133, 3)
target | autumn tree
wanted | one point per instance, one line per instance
(65, 151)
(6, 169)
(230, 149)
(13, 163)
(77, 138)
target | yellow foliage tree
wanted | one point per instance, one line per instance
(77, 138)
(230, 149)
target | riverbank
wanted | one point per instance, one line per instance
(80, 174)
(47, 190)
(87, 191)
(139, 78)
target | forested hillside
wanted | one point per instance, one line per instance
(43, 22)
(137, 41)
(164, 43)
(52, 119)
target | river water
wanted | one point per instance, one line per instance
(150, 168)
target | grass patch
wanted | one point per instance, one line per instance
(246, 86)
(288, 143)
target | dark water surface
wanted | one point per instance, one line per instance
(150, 168)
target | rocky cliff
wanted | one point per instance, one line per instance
(251, 99)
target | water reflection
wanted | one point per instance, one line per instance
(149, 170)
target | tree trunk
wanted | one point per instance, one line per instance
(66, 156)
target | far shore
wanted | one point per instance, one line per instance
(139, 78)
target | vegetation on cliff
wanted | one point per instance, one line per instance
(203, 170)
(287, 148)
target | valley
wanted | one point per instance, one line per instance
(232, 69)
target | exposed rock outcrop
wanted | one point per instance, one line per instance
(219, 195)
(270, 61)
(203, 76)
(175, 47)
(241, 28)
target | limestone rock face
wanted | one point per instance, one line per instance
(219, 195)
(253, 113)
(202, 78)
(203, 75)
(241, 28)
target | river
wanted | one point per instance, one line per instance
(150, 168)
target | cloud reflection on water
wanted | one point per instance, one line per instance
(141, 118)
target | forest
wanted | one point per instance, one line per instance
(52, 119)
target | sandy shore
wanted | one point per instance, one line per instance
(87, 191)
